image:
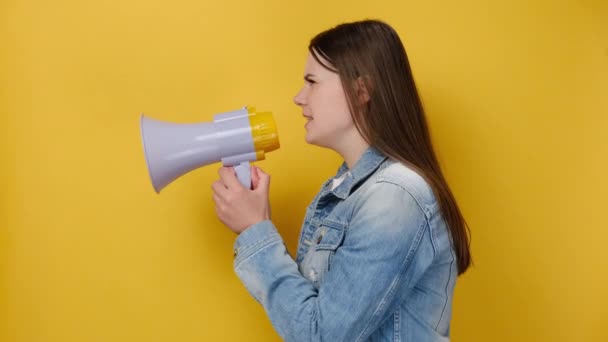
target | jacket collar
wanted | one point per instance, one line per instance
(370, 160)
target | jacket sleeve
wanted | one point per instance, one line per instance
(371, 273)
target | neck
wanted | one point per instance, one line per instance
(352, 151)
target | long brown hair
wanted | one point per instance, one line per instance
(370, 58)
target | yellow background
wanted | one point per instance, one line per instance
(516, 94)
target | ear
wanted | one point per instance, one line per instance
(361, 89)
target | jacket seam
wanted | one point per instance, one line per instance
(379, 181)
(406, 263)
(253, 250)
(447, 284)
(397, 324)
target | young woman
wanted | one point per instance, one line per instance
(383, 241)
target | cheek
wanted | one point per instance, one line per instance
(333, 121)
(330, 100)
(342, 121)
(340, 112)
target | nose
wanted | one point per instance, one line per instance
(299, 98)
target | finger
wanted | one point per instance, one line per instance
(219, 211)
(228, 176)
(220, 173)
(219, 202)
(220, 190)
(264, 180)
(255, 178)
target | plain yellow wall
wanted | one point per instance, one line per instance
(516, 94)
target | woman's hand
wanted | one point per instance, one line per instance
(237, 207)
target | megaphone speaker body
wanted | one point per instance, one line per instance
(234, 138)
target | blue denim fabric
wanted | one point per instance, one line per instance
(374, 262)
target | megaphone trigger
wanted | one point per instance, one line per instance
(243, 174)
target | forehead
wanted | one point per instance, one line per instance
(313, 67)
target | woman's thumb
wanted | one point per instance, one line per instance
(262, 179)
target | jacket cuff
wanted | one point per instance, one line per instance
(253, 239)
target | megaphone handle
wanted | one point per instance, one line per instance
(243, 173)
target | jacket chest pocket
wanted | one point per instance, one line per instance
(323, 245)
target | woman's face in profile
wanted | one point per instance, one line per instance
(324, 106)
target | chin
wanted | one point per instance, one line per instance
(316, 142)
(311, 140)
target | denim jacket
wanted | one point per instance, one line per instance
(375, 261)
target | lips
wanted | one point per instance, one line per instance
(308, 120)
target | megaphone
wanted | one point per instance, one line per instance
(234, 138)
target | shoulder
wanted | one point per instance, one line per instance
(393, 174)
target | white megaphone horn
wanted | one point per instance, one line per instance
(234, 138)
